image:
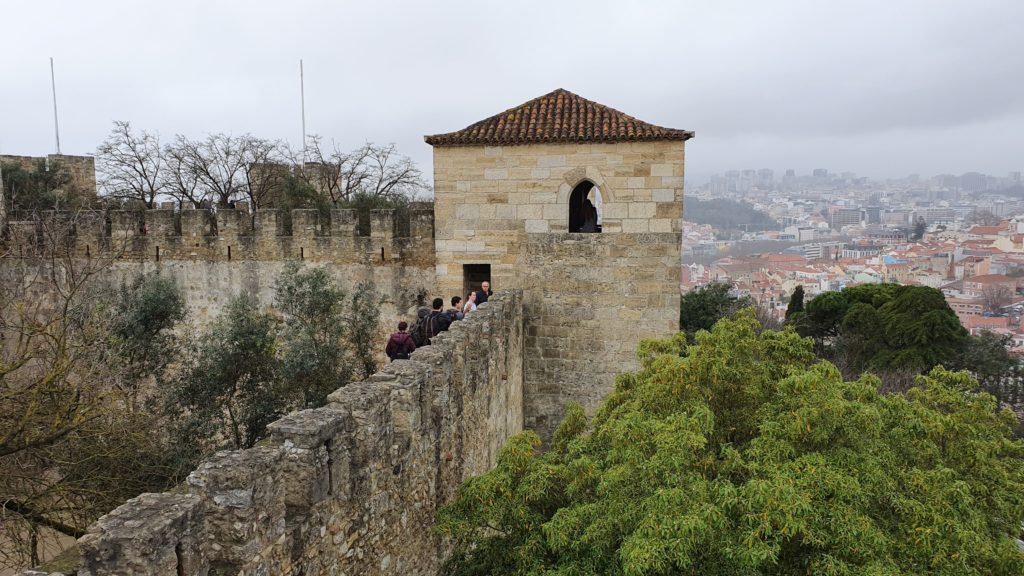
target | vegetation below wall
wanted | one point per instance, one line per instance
(744, 453)
(106, 391)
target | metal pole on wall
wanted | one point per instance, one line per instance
(302, 93)
(53, 85)
(3, 203)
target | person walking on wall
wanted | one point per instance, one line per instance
(483, 293)
(400, 344)
(439, 321)
(470, 305)
(455, 312)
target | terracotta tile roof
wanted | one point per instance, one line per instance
(560, 116)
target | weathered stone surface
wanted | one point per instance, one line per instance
(151, 534)
(350, 488)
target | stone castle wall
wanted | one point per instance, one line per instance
(213, 262)
(350, 488)
(589, 299)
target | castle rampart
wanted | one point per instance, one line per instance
(213, 256)
(350, 488)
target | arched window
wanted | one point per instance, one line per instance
(585, 208)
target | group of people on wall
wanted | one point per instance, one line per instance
(432, 321)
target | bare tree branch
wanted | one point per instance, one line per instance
(131, 165)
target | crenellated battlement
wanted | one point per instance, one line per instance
(228, 235)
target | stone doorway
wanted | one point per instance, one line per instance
(473, 275)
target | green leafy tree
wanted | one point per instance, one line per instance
(364, 322)
(987, 357)
(699, 309)
(884, 328)
(146, 310)
(746, 455)
(230, 387)
(796, 302)
(314, 355)
(41, 186)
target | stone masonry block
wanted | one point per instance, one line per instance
(149, 535)
(549, 161)
(245, 501)
(663, 195)
(632, 225)
(615, 210)
(536, 226)
(642, 210)
(530, 211)
(659, 225)
(557, 212)
(467, 211)
(662, 169)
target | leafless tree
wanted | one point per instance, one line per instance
(996, 296)
(266, 169)
(131, 166)
(983, 217)
(53, 372)
(71, 445)
(377, 171)
(222, 168)
(182, 181)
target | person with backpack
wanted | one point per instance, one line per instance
(440, 321)
(421, 330)
(400, 344)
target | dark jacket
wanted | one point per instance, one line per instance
(439, 322)
(400, 346)
(482, 296)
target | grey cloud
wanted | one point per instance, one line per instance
(763, 84)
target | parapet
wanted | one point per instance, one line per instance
(232, 234)
(349, 488)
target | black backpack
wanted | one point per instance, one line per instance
(421, 331)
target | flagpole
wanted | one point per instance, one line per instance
(302, 92)
(53, 86)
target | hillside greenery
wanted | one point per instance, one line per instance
(745, 454)
(727, 215)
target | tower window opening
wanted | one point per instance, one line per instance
(585, 208)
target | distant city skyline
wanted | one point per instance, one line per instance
(1014, 175)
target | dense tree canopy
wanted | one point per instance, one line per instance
(701, 307)
(745, 454)
(796, 302)
(883, 327)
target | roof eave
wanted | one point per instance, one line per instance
(440, 140)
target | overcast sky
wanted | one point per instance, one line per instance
(882, 88)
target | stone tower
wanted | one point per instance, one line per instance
(581, 206)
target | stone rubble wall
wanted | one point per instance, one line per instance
(349, 488)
